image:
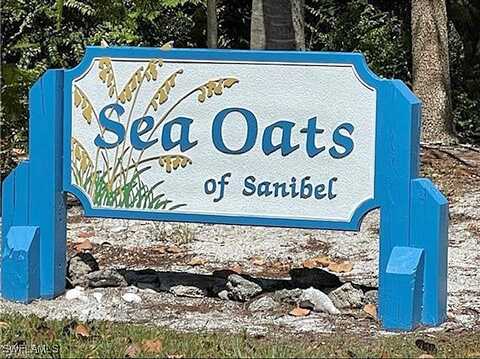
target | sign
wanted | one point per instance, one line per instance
(255, 140)
(309, 140)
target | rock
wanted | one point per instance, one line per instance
(98, 296)
(151, 286)
(318, 301)
(290, 296)
(371, 297)
(223, 294)
(79, 266)
(206, 283)
(347, 296)
(241, 289)
(76, 293)
(313, 277)
(106, 278)
(118, 229)
(263, 304)
(188, 291)
(132, 289)
(131, 298)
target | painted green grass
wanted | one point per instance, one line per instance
(107, 340)
(134, 194)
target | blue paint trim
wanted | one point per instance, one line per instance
(404, 285)
(20, 264)
(429, 230)
(355, 59)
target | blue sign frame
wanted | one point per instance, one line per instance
(414, 214)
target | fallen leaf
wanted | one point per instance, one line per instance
(86, 234)
(173, 249)
(342, 267)
(309, 263)
(299, 312)
(316, 262)
(132, 351)
(324, 261)
(3, 325)
(83, 246)
(197, 261)
(426, 356)
(82, 330)
(371, 310)
(152, 346)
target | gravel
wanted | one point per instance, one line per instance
(223, 246)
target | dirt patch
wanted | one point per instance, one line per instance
(455, 170)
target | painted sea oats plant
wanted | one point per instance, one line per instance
(113, 177)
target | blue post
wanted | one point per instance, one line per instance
(47, 202)
(429, 230)
(398, 156)
(21, 258)
(33, 199)
(403, 281)
(414, 217)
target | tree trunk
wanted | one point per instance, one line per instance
(277, 25)
(431, 74)
(212, 36)
(257, 26)
(298, 20)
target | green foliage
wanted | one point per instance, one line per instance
(41, 34)
(464, 45)
(465, 90)
(234, 18)
(333, 25)
(381, 30)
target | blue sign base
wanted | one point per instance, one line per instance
(32, 197)
(414, 214)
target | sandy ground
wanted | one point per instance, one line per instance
(265, 253)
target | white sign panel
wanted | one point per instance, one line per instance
(223, 138)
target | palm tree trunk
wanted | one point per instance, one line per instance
(257, 26)
(298, 20)
(277, 25)
(431, 74)
(212, 37)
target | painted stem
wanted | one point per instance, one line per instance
(120, 162)
(161, 120)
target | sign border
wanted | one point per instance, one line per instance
(358, 62)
